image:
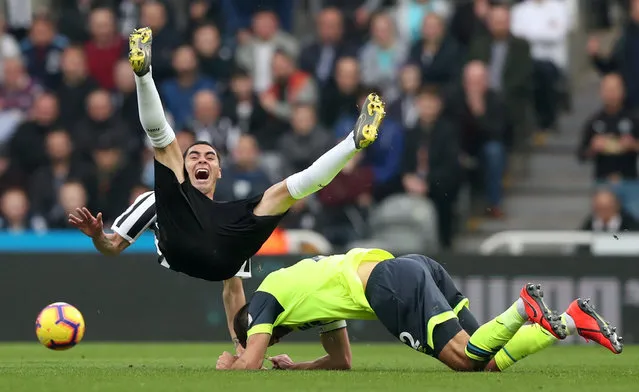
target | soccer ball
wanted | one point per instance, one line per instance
(60, 326)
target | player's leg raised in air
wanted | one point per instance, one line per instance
(281, 196)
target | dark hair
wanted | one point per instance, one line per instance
(241, 324)
(203, 143)
(430, 90)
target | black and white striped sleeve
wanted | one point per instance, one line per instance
(137, 218)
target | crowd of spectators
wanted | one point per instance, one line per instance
(460, 79)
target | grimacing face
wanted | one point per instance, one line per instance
(203, 167)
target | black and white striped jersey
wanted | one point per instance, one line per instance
(141, 216)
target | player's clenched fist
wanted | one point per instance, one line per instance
(225, 361)
(281, 361)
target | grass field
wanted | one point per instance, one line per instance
(392, 367)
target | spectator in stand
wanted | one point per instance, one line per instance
(340, 96)
(202, 12)
(165, 39)
(610, 135)
(510, 69)
(404, 109)
(17, 95)
(113, 178)
(105, 47)
(8, 46)
(357, 15)
(75, 87)
(410, 15)
(72, 17)
(482, 118)
(47, 181)
(437, 54)
(238, 14)
(545, 25)
(242, 177)
(128, 12)
(306, 141)
(70, 196)
(290, 86)
(244, 109)
(469, 21)
(125, 98)
(15, 214)
(431, 160)
(384, 156)
(624, 58)
(178, 93)
(10, 175)
(101, 119)
(607, 215)
(209, 126)
(27, 146)
(319, 57)
(256, 55)
(42, 51)
(382, 56)
(215, 59)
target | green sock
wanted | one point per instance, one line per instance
(528, 340)
(492, 336)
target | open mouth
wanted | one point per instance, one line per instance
(201, 174)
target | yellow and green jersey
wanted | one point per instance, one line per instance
(313, 292)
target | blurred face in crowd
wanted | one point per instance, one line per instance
(429, 105)
(347, 74)
(634, 10)
(102, 25)
(246, 153)
(107, 159)
(74, 64)
(265, 25)
(99, 106)
(410, 79)
(184, 60)
(72, 195)
(15, 206)
(203, 167)
(242, 86)
(206, 107)
(14, 74)
(303, 119)
(330, 26)
(124, 79)
(383, 30)
(153, 14)
(42, 32)
(433, 28)
(283, 67)
(605, 205)
(612, 92)
(206, 40)
(185, 139)
(499, 21)
(475, 77)
(58, 146)
(45, 109)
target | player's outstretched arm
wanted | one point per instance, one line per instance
(338, 354)
(92, 226)
(233, 298)
(251, 359)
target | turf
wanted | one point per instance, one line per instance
(392, 367)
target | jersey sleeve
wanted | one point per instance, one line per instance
(263, 310)
(137, 218)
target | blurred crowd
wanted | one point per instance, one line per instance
(466, 83)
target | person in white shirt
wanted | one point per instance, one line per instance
(545, 25)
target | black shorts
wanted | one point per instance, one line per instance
(413, 294)
(204, 238)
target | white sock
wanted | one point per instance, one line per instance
(152, 113)
(322, 171)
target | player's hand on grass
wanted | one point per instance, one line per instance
(282, 361)
(90, 225)
(225, 361)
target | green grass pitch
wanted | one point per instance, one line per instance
(383, 367)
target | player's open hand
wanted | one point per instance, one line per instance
(281, 361)
(225, 361)
(90, 225)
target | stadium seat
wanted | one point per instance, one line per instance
(403, 224)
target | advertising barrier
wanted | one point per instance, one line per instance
(131, 298)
